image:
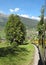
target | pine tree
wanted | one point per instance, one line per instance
(15, 30)
(41, 27)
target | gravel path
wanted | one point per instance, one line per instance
(36, 57)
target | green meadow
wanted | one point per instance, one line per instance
(20, 55)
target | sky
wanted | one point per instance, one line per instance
(25, 8)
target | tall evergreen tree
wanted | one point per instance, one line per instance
(41, 27)
(15, 30)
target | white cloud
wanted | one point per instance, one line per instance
(14, 10)
(27, 16)
(37, 18)
(11, 10)
(24, 15)
(44, 17)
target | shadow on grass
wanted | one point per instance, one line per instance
(12, 51)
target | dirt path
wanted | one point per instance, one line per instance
(36, 56)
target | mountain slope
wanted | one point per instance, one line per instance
(29, 23)
(3, 20)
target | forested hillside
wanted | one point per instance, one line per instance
(3, 20)
(30, 23)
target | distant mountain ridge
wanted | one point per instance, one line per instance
(3, 20)
(29, 23)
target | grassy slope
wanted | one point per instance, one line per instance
(23, 55)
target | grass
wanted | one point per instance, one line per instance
(21, 55)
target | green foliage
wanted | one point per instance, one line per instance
(45, 26)
(41, 28)
(0, 39)
(41, 25)
(15, 30)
